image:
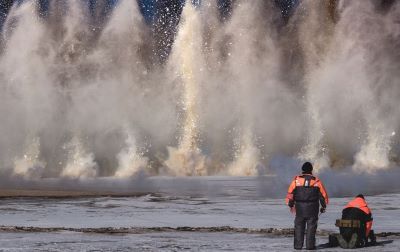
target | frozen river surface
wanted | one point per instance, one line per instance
(214, 202)
(168, 241)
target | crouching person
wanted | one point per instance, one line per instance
(356, 224)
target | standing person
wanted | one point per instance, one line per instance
(305, 194)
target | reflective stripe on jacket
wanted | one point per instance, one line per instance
(306, 192)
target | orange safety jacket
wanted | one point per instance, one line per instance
(361, 204)
(306, 180)
(300, 181)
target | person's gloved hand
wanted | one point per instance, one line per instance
(322, 210)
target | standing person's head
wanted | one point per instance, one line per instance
(307, 168)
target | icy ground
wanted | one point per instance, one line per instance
(205, 202)
(155, 242)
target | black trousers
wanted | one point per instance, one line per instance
(304, 225)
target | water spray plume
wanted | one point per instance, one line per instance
(187, 159)
(374, 154)
(81, 96)
(30, 166)
(80, 163)
(130, 161)
(315, 42)
(120, 42)
(247, 157)
(251, 45)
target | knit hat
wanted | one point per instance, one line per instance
(307, 167)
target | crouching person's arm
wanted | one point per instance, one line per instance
(368, 225)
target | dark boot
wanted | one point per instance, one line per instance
(342, 242)
(372, 238)
(353, 241)
(299, 227)
(333, 240)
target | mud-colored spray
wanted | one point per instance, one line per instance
(315, 41)
(374, 154)
(355, 58)
(247, 157)
(187, 158)
(29, 166)
(381, 113)
(130, 160)
(244, 32)
(80, 163)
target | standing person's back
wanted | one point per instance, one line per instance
(305, 194)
